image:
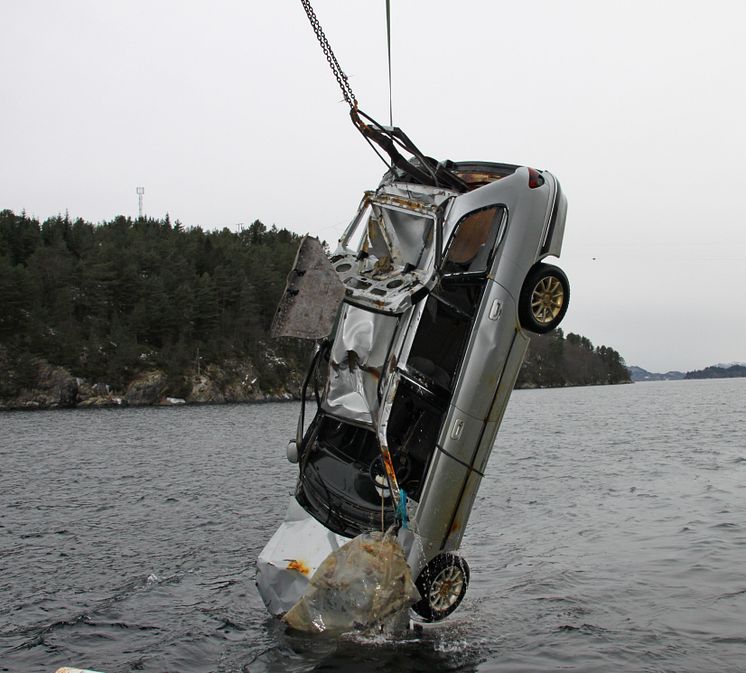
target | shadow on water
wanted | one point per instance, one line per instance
(439, 649)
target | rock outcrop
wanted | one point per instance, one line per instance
(55, 388)
(147, 388)
(234, 380)
(96, 395)
(204, 390)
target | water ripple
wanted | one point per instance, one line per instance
(608, 535)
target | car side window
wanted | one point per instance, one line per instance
(473, 241)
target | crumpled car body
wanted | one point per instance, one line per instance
(425, 329)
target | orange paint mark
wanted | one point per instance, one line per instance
(301, 567)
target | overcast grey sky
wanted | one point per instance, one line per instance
(226, 111)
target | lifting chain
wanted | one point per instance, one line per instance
(425, 170)
(349, 96)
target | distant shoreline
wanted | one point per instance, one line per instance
(288, 397)
(268, 399)
(733, 370)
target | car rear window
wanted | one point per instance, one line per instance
(473, 240)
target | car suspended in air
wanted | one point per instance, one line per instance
(422, 317)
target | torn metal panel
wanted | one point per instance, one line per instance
(312, 295)
(356, 364)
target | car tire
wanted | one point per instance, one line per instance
(544, 298)
(442, 585)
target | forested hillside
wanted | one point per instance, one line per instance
(108, 303)
(556, 360)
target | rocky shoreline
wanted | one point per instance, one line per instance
(234, 381)
(240, 380)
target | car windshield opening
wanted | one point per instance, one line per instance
(338, 477)
(391, 239)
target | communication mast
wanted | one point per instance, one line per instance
(140, 192)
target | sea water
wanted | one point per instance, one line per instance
(609, 535)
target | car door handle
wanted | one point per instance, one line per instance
(496, 309)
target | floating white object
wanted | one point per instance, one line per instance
(293, 451)
(68, 669)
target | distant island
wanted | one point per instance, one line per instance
(639, 374)
(146, 311)
(719, 371)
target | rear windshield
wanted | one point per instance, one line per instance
(473, 241)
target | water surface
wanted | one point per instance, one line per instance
(608, 535)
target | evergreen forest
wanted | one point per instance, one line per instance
(108, 301)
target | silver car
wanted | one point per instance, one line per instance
(427, 302)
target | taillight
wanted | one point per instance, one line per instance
(535, 179)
